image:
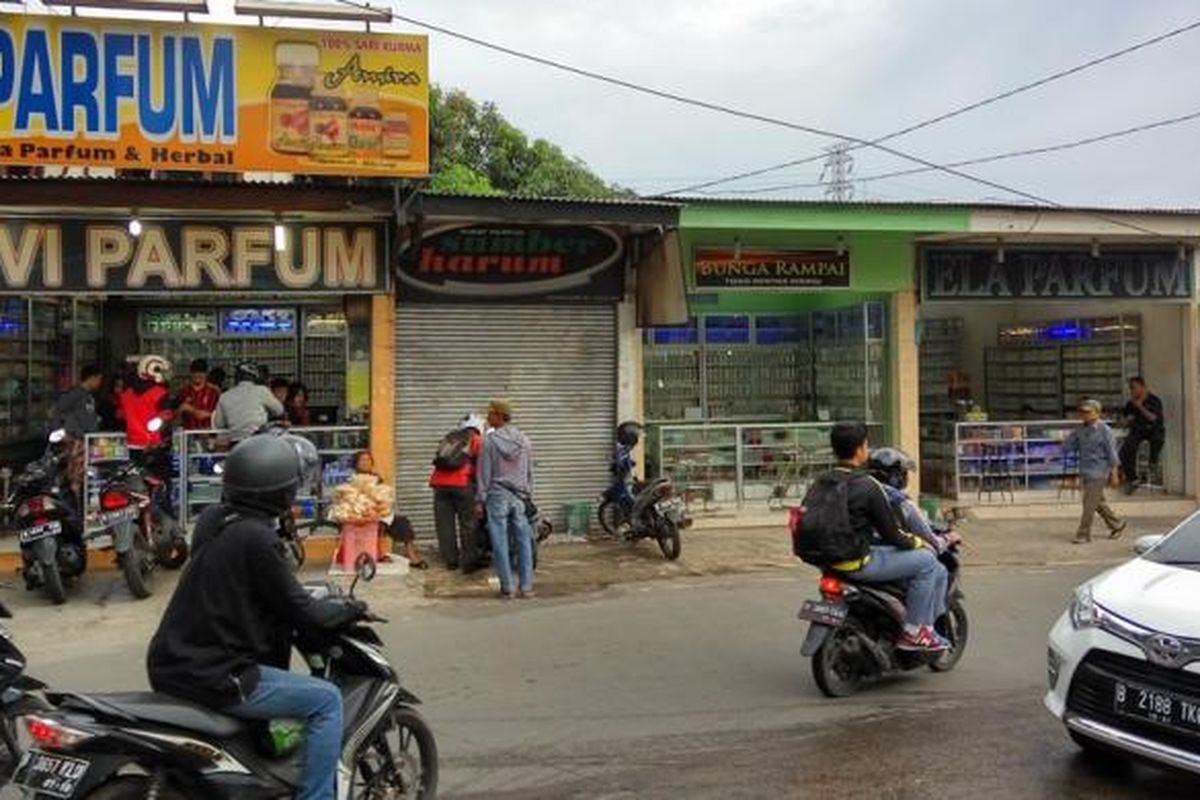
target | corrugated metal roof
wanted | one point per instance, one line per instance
(917, 205)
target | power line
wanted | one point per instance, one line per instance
(1031, 151)
(742, 114)
(959, 111)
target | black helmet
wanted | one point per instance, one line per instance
(891, 465)
(629, 433)
(262, 474)
(247, 371)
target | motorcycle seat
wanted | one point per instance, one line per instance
(159, 708)
(894, 588)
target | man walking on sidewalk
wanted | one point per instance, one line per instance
(1098, 462)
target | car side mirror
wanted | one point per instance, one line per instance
(1147, 543)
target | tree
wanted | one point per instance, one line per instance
(475, 150)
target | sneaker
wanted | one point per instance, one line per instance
(1116, 532)
(505, 594)
(1081, 540)
(526, 594)
(924, 640)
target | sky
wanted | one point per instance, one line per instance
(856, 67)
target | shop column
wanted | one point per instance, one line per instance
(906, 383)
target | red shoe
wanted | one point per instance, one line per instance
(924, 640)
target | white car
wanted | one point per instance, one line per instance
(1124, 659)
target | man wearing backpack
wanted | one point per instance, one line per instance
(453, 484)
(848, 527)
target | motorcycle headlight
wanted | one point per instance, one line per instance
(1084, 612)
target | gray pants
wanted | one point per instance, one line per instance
(1094, 503)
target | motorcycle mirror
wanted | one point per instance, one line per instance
(155, 425)
(57, 436)
(364, 570)
(218, 468)
(4, 612)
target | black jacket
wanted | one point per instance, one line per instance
(871, 514)
(237, 606)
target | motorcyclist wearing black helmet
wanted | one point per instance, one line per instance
(225, 639)
(890, 466)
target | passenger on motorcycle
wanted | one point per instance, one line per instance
(147, 397)
(890, 466)
(225, 639)
(894, 554)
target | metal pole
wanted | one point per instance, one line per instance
(739, 461)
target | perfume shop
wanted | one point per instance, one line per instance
(294, 296)
(1011, 340)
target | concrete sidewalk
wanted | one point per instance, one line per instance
(590, 565)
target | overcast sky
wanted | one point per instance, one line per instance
(860, 67)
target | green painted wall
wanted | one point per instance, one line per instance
(878, 238)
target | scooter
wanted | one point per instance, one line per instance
(48, 523)
(853, 630)
(655, 512)
(130, 746)
(541, 527)
(18, 697)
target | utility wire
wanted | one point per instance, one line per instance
(1025, 87)
(740, 113)
(1032, 151)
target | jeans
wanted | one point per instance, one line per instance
(924, 576)
(318, 703)
(454, 521)
(505, 513)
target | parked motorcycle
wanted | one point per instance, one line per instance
(538, 525)
(854, 627)
(18, 697)
(49, 526)
(134, 507)
(648, 510)
(130, 746)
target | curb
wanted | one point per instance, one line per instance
(317, 548)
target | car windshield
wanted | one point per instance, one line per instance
(1182, 547)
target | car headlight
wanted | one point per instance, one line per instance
(1084, 613)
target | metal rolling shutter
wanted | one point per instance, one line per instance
(558, 366)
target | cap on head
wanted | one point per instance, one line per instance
(501, 408)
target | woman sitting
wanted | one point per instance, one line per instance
(396, 526)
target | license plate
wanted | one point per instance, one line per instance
(1157, 706)
(666, 507)
(51, 528)
(49, 774)
(118, 516)
(822, 613)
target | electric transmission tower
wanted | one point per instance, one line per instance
(839, 165)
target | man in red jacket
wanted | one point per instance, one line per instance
(453, 484)
(145, 397)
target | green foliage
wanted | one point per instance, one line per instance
(475, 150)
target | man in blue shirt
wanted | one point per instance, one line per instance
(1098, 462)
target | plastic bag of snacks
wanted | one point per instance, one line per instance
(362, 499)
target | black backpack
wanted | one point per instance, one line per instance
(452, 451)
(824, 534)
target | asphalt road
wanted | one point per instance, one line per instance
(680, 689)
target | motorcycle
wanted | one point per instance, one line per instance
(135, 507)
(649, 510)
(49, 526)
(129, 746)
(18, 697)
(853, 630)
(541, 528)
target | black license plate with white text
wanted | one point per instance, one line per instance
(50, 775)
(823, 613)
(1154, 705)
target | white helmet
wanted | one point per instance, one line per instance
(155, 368)
(473, 420)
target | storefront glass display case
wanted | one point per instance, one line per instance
(1006, 461)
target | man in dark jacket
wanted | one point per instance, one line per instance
(1144, 419)
(225, 639)
(895, 555)
(75, 413)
